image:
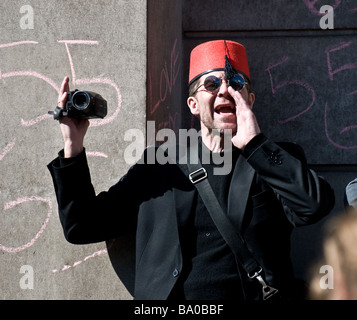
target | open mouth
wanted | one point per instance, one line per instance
(225, 109)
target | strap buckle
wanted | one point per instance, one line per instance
(268, 291)
(198, 175)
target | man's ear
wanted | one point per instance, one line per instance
(251, 99)
(193, 105)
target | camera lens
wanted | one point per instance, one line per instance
(81, 100)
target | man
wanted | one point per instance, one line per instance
(178, 252)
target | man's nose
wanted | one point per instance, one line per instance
(223, 89)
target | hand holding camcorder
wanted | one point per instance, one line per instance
(82, 105)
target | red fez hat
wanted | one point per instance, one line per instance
(211, 56)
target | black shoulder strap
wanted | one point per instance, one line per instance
(224, 226)
(198, 176)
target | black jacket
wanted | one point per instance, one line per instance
(272, 190)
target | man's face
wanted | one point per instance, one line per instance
(216, 110)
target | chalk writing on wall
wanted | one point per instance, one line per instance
(335, 66)
(18, 202)
(10, 146)
(160, 92)
(314, 5)
(276, 87)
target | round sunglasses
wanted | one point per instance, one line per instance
(213, 83)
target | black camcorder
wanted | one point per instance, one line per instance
(82, 105)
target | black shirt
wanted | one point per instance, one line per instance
(210, 271)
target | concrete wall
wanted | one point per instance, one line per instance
(101, 45)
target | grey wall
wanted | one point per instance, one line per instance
(113, 63)
(164, 103)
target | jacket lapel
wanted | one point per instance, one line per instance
(239, 191)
